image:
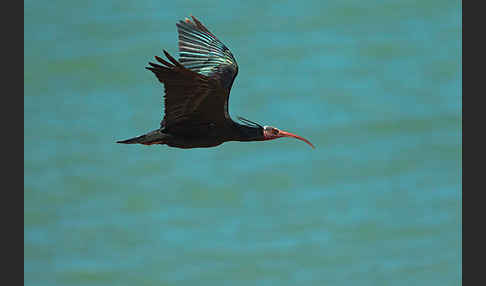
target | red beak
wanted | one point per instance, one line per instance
(288, 134)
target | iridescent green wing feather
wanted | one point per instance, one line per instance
(202, 52)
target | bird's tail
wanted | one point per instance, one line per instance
(154, 137)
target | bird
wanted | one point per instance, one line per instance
(197, 89)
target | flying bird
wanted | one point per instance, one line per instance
(197, 89)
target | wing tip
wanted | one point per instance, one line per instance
(196, 24)
(174, 61)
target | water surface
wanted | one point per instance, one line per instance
(375, 85)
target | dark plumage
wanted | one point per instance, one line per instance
(197, 89)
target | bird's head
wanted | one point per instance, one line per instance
(270, 133)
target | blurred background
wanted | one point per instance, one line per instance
(375, 85)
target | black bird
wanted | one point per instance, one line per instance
(197, 89)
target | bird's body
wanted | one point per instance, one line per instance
(211, 139)
(197, 89)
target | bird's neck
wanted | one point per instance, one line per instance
(246, 133)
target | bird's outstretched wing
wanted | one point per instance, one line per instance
(193, 102)
(197, 86)
(202, 52)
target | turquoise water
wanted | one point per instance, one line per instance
(375, 85)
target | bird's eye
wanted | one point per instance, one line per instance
(275, 131)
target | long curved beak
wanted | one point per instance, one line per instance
(282, 133)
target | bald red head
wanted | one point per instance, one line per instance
(270, 133)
